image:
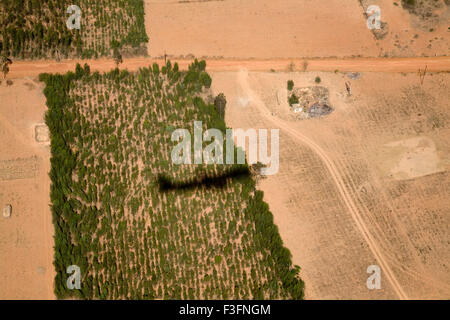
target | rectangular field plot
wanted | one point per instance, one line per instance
(110, 142)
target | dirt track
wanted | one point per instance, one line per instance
(20, 69)
(337, 178)
(26, 239)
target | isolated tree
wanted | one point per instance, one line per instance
(117, 57)
(220, 103)
(290, 85)
(4, 63)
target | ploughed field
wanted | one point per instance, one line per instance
(389, 144)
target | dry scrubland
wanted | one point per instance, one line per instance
(110, 140)
(295, 28)
(390, 143)
(37, 29)
(26, 244)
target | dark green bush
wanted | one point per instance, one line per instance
(290, 85)
(293, 99)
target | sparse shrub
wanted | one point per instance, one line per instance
(293, 99)
(317, 80)
(291, 67)
(290, 85)
(408, 3)
(305, 65)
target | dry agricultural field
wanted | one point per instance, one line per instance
(26, 238)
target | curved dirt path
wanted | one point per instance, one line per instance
(337, 178)
(20, 69)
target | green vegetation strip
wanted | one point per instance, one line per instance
(33, 29)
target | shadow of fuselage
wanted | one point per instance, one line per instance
(203, 181)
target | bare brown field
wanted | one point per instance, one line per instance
(352, 190)
(26, 238)
(263, 29)
(258, 29)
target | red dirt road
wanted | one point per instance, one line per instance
(20, 69)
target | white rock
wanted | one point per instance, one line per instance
(7, 210)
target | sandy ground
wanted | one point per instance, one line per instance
(258, 29)
(287, 29)
(26, 238)
(340, 204)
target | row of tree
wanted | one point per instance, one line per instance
(38, 29)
